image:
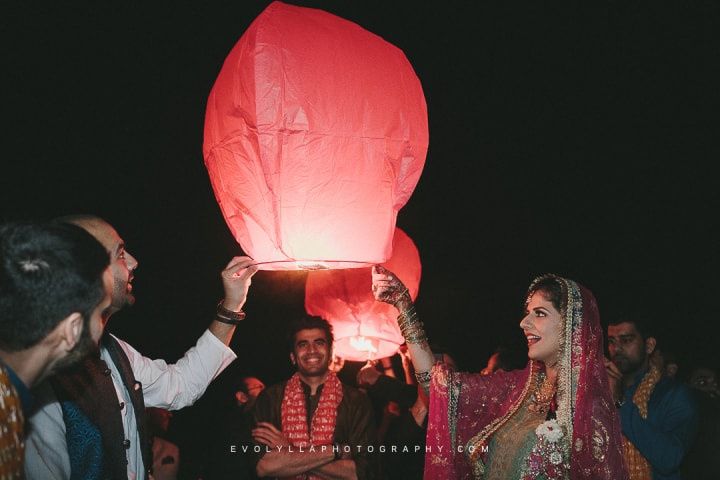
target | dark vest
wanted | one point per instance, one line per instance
(89, 401)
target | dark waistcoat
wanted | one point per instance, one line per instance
(91, 410)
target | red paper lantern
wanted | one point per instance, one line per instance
(315, 137)
(364, 328)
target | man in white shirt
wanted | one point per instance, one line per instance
(91, 420)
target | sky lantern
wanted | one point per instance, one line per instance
(315, 137)
(364, 328)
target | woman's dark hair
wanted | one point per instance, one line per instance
(47, 272)
(551, 290)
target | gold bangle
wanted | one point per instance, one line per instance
(414, 333)
(423, 378)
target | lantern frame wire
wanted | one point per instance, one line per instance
(316, 264)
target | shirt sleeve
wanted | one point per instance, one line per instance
(180, 384)
(665, 439)
(46, 454)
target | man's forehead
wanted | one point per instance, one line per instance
(624, 328)
(310, 334)
(103, 232)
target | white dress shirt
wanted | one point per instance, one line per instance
(165, 386)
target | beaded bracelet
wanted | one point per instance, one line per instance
(423, 378)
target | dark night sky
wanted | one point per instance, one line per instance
(577, 139)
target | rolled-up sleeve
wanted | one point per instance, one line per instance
(178, 385)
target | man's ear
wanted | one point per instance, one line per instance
(70, 330)
(650, 344)
(292, 358)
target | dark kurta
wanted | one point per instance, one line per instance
(354, 424)
(669, 430)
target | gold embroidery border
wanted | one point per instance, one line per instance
(567, 388)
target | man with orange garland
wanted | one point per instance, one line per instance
(658, 415)
(313, 426)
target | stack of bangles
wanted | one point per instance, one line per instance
(423, 379)
(224, 315)
(411, 327)
(414, 333)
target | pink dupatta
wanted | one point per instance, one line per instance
(466, 409)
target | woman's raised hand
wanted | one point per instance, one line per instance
(388, 288)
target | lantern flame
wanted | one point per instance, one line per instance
(363, 344)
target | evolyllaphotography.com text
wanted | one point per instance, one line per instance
(350, 449)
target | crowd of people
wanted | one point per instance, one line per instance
(76, 402)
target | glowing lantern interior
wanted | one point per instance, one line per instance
(364, 344)
(364, 328)
(315, 137)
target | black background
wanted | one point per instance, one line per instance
(574, 138)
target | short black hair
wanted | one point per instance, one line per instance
(306, 323)
(642, 325)
(47, 272)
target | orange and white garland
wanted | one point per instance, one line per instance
(294, 413)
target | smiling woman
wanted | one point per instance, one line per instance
(542, 324)
(553, 420)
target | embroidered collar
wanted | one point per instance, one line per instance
(26, 397)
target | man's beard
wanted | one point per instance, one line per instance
(318, 371)
(82, 348)
(314, 373)
(627, 365)
(121, 298)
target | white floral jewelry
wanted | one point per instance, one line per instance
(550, 430)
(546, 458)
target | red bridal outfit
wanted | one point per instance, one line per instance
(502, 426)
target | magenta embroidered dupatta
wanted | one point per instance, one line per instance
(466, 409)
